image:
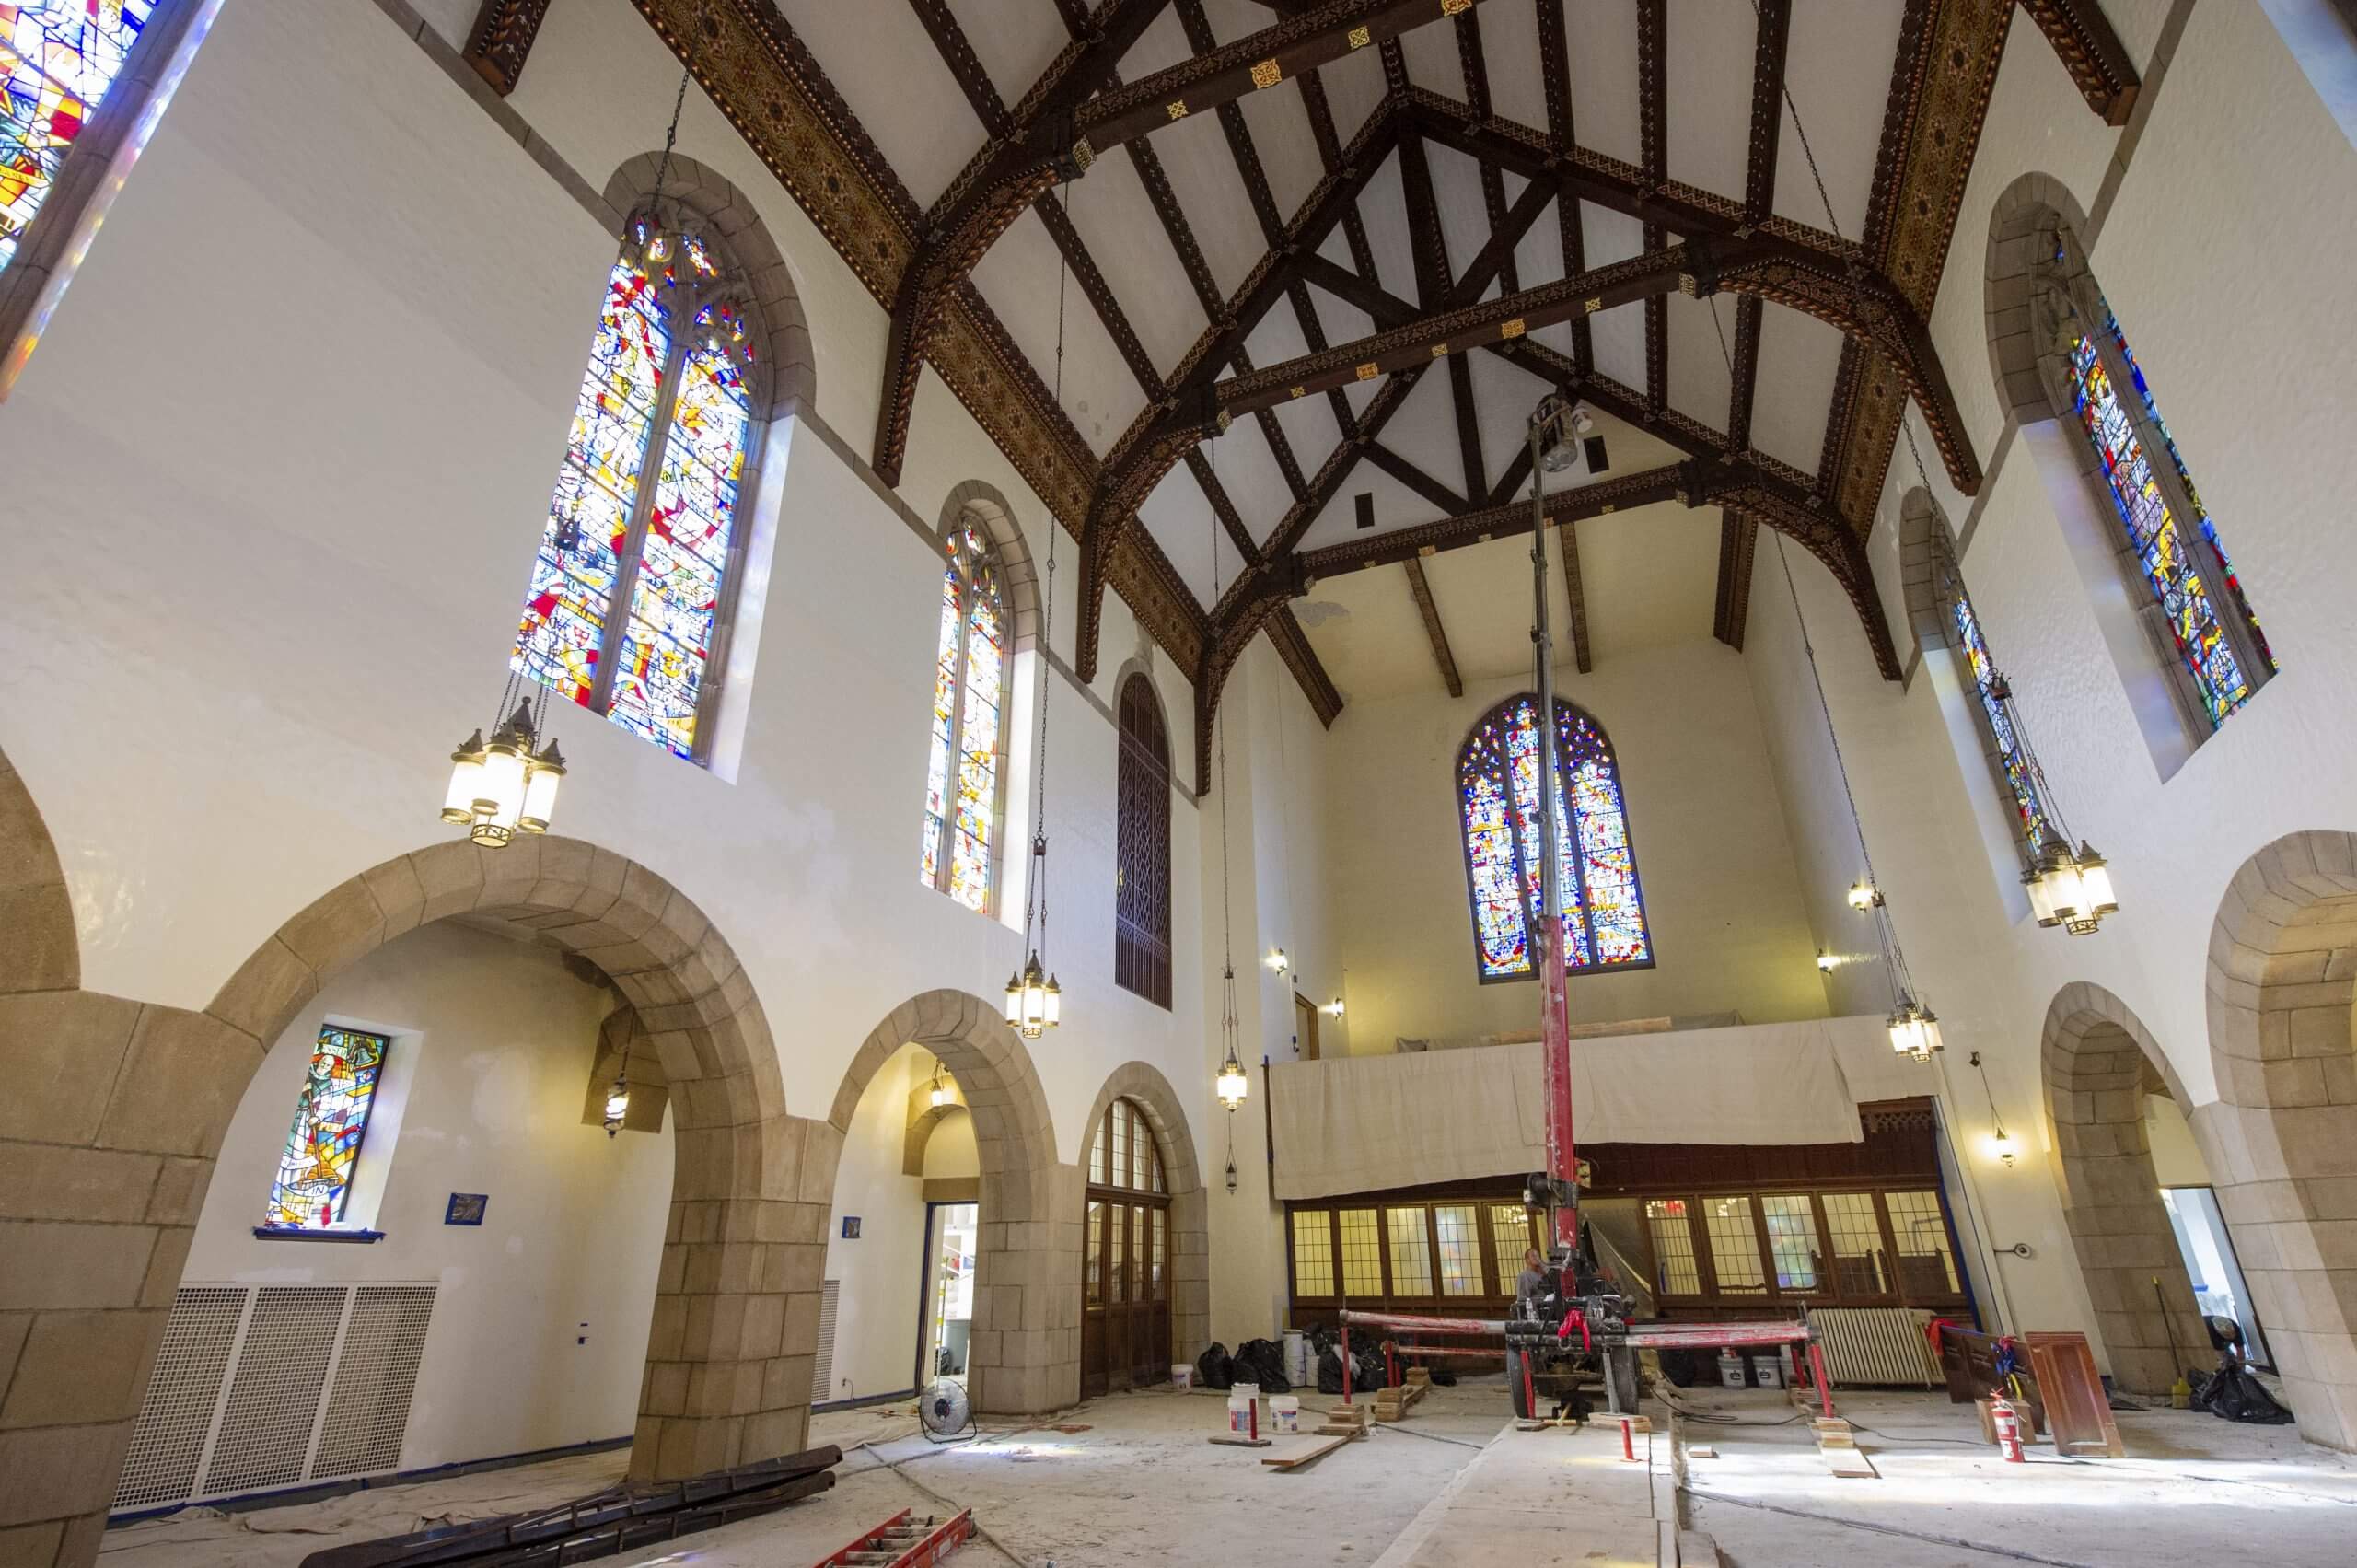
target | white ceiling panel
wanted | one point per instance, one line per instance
(881, 60)
(1707, 64)
(1424, 431)
(1799, 357)
(1431, 53)
(1100, 394)
(1365, 630)
(1650, 577)
(1015, 43)
(1182, 522)
(1510, 50)
(1126, 240)
(1604, 77)
(1838, 70)
(1457, 195)
(1396, 507)
(1385, 211)
(1698, 365)
(1212, 196)
(1354, 89)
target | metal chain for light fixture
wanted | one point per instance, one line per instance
(1232, 1085)
(1034, 1000)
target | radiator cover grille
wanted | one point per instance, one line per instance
(1877, 1346)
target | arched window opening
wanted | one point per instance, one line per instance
(1497, 781)
(1125, 1257)
(962, 776)
(2211, 640)
(1142, 847)
(60, 58)
(632, 587)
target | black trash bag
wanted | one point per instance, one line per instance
(1322, 1340)
(2230, 1393)
(1444, 1379)
(1372, 1372)
(1330, 1371)
(1267, 1360)
(1212, 1367)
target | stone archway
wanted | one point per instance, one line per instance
(104, 1165)
(2283, 976)
(2097, 1060)
(1025, 1353)
(1191, 1247)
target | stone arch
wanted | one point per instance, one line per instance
(790, 373)
(43, 952)
(2027, 212)
(136, 1099)
(2096, 1058)
(989, 508)
(1143, 1085)
(1025, 1353)
(1925, 545)
(2282, 978)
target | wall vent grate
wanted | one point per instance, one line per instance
(265, 1432)
(822, 1372)
(1877, 1346)
(183, 1396)
(367, 1412)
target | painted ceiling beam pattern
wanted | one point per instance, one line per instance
(1653, 144)
(1425, 606)
(1567, 540)
(1555, 86)
(1739, 535)
(502, 40)
(2092, 53)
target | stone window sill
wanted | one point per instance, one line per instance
(288, 1233)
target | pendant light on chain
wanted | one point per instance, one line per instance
(1035, 1002)
(1232, 1085)
(506, 785)
(2068, 886)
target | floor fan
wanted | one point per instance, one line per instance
(945, 1413)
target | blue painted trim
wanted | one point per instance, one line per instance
(323, 1489)
(863, 1399)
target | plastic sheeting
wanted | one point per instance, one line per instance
(1357, 1124)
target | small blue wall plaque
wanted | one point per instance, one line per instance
(851, 1228)
(466, 1208)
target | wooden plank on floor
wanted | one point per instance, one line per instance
(1230, 1440)
(1308, 1455)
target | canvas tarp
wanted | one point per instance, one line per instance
(1363, 1123)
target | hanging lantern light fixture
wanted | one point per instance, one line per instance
(1865, 895)
(618, 1101)
(940, 1094)
(506, 785)
(1232, 1085)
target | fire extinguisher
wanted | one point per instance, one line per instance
(2008, 1423)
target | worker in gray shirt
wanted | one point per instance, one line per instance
(1533, 1283)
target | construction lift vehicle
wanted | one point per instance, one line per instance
(1574, 1331)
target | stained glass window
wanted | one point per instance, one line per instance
(629, 583)
(1497, 781)
(1142, 847)
(2171, 568)
(2029, 809)
(59, 57)
(969, 703)
(315, 1169)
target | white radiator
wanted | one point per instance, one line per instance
(259, 1387)
(1877, 1346)
(822, 1371)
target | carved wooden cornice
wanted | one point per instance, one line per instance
(503, 37)
(2092, 53)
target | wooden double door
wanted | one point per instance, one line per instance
(1125, 1292)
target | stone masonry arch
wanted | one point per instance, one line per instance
(2096, 1058)
(2280, 983)
(107, 1161)
(1144, 1086)
(2027, 214)
(1025, 1353)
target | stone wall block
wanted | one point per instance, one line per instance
(269, 988)
(48, 1181)
(82, 1366)
(181, 1078)
(450, 876)
(66, 1050)
(336, 928)
(61, 1472)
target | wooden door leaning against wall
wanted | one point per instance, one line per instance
(1125, 1260)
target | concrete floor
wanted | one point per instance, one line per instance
(1452, 1486)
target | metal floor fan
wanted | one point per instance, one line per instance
(945, 1413)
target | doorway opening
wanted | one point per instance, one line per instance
(1125, 1268)
(952, 1243)
(2211, 1265)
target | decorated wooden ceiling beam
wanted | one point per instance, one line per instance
(957, 56)
(1770, 43)
(2091, 52)
(1555, 86)
(1429, 247)
(1738, 538)
(1576, 596)
(502, 38)
(1310, 675)
(1433, 630)
(1653, 155)
(1761, 265)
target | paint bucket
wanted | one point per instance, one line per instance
(1244, 1409)
(1182, 1375)
(1768, 1372)
(1284, 1413)
(1296, 1357)
(1731, 1370)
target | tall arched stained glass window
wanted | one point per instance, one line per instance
(2173, 543)
(961, 803)
(1497, 781)
(59, 57)
(632, 585)
(2013, 761)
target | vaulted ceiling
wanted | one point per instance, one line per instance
(1303, 267)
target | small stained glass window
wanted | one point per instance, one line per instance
(1675, 1272)
(59, 57)
(969, 714)
(1497, 778)
(1312, 1253)
(2029, 808)
(1412, 1251)
(315, 1170)
(1362, 1253)
(631, 576)
(1461, 1249)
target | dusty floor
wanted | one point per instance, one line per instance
(1142, 1486)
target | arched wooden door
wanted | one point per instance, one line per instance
(1125, 1261)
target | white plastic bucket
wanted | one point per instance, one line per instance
(1242, 1402)
(1296, 1357)
(1284, 1412)
(1182, 1375)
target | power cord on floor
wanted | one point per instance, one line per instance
(1432, 1437)
(2005, 1552)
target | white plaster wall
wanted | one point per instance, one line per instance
(876, 1321)
(1721, 888)
(494, 1043)
(317, 529)
(2238, 178)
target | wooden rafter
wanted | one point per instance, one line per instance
(1416, 479)
(1555, 85)
(2091, 52)
(1738, 538)
(1770, 42)
(1567, 540)
(1652, 152)
(1739, 535)
(1430, 610)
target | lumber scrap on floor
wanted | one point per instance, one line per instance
(1308, 1455)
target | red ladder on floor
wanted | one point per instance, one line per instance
(897, 1543)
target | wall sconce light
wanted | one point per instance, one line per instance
(1279, 962)
(2000, 1143)
(1825, 961)
(617, 1102)
(1334, 1008)
(1863, 894)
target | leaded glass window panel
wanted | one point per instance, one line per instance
(1675, 1272)
(1792, 1239)
(2192, 596)
(1362, 1253)
(1142, 847)
(1735, 1245)
(59, 58)
(1411, 1253)
(631, 580)
(1461, 1249)
(315, 1169)
(968, 753)
(1497, 777)
(1312, 1253)
(2013, 761)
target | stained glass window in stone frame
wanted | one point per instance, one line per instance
(967, 755)
(1497, 779)
(313, 1182)
(58, 58)
(2029, 807)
